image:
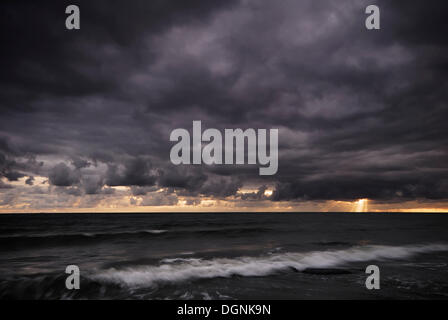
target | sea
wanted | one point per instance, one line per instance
(234, 256)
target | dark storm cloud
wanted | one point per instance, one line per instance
(183, 178)
(92, 185)
(30, 180)
(362, 114)
(80, 163)
(379, 188)
(221, 187)
(136, 172)
(62, 176)
(141, 191)
(259, 195)
(12, 169)
(49, 60)
(13, 175)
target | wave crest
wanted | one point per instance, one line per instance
(177, 270)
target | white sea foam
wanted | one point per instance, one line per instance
(156, 231)
(177, 270)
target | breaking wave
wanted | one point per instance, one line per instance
(178, 270)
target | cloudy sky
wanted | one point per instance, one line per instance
(85, 115)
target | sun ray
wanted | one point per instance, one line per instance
(360, 206)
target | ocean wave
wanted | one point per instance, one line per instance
(178, 270)
(81, 234)
(205, 231)
(13, 241)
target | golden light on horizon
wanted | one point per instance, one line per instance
(361, 205)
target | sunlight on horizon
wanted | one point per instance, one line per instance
(361, 205)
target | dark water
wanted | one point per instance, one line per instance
(224, 256)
